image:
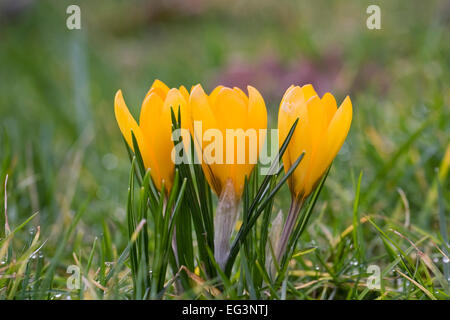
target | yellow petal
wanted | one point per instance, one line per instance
(127, 124)
(291, 107)
(163, 144)
(201, 111)
(184, 92)
(257, 120)
(316, 120)
(316, 134)
(150, 111)
(257, 113)
(301, 142)
(158, 84)
(149, 118)
(159, 88)
(241, 94)
(230, 109)
(329, 103)
(338, 128)
(287, 91)
(213, 95)
(231, 113)
(308, 91)
(333, 140)
(175, 100)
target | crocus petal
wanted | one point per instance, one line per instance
(256, 120)
(150, 114)
(316, 122)
(163, 145)
(308, 91)
(150, 111)
(176, 100)
(201, 112)
(158, 84)
(184, 92)
(331, 143)
(291, 107)
(159, 88)
(213, 95)
(287, 91)
(299, 144)
(230, 109)
(241, 94)
(232, 112)
(257, 113)
(329, 103)
(338, 128)
(127, 124)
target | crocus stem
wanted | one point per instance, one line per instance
(224, 222)
(174, 245)
(272, 244)
(178, 284)
(294, 210)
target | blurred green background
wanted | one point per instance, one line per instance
(57, 88)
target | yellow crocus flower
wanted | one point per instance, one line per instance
(154, 131)
(320, 133)
(223, 109)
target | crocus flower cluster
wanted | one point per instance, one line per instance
(320, 133)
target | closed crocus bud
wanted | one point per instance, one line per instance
(229, 131)
(320, 133)
(243, 117)
(154, 131)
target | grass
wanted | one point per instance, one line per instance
(384, 205)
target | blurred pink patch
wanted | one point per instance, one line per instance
(271, 76)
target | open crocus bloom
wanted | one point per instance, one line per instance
(321, 131)
(227, 109)
(154, 131)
